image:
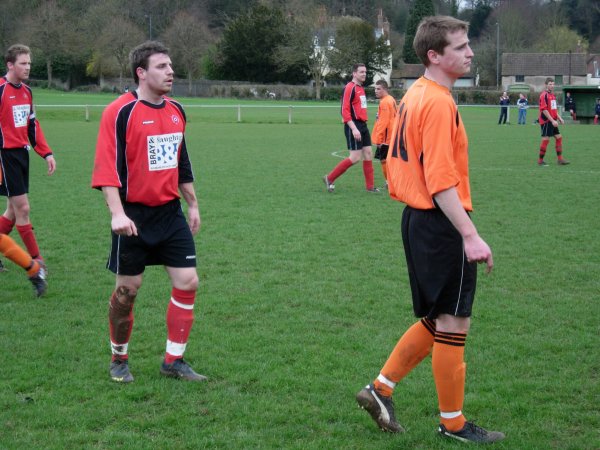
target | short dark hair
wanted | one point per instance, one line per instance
(549, 80)
(382, 83)
(356, 66)
(14, 51)
(140, 55)
(432, 34)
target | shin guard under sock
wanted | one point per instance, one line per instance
(180, 318)
(449, 371)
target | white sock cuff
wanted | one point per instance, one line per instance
(385, 381)
(450, 415)
(118, 349)
(175, 348)
(182, 305)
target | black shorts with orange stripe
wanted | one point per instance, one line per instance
(442, 281)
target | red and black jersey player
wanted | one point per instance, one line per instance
(358, 138)
(19, 132)
(142, 167)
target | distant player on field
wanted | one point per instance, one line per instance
(358, 138)
(549, 119)
(19, 132)
(142, 166)
(384, 123)
(428, 171)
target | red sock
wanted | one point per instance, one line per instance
(369, 177)
(180, 318)
(120, 320)
(338, 170)
(559, 148)
(6, 225)
(28, 238)
(543, 146)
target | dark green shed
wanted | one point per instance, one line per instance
(585, 100)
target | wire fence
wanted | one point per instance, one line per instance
(240, 112)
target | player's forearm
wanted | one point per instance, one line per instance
(189, 195)
(451, 206)
(113, 200)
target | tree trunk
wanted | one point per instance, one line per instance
(318, 86)
(49, 70)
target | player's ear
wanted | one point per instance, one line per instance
(432, 56)
(140, 71)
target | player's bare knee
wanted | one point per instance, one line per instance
(126, 295)
(189, 282)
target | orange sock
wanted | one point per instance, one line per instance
(449, 371)
(10, 249)
(414, 345)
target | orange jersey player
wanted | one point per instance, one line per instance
(384, 123)
(428, 171)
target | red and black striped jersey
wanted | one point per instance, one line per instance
(548, 103)
(18, 126)
(141, 150)
(354, 103)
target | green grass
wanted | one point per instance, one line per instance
(303, 295)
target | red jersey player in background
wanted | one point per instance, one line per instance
(354, 115)
(142, 166)
(382, 131)
(549, 119)
(19, 131)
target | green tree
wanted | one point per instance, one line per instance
(561, 39)
(421, 8)
(355, 42)
(248, 44)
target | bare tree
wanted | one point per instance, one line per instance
(49, 30)
(308, 44)
(188, 37)
(117, 40)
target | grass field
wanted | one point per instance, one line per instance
(303, 295)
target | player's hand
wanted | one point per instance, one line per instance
(51, 164)
(194, 220)
(478, 251)
(356, 134)
(123, 225)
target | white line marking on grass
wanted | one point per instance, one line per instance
(534, 169)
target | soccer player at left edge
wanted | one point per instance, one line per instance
(19, 132)
(143, 168)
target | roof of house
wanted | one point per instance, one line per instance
(544, 64)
